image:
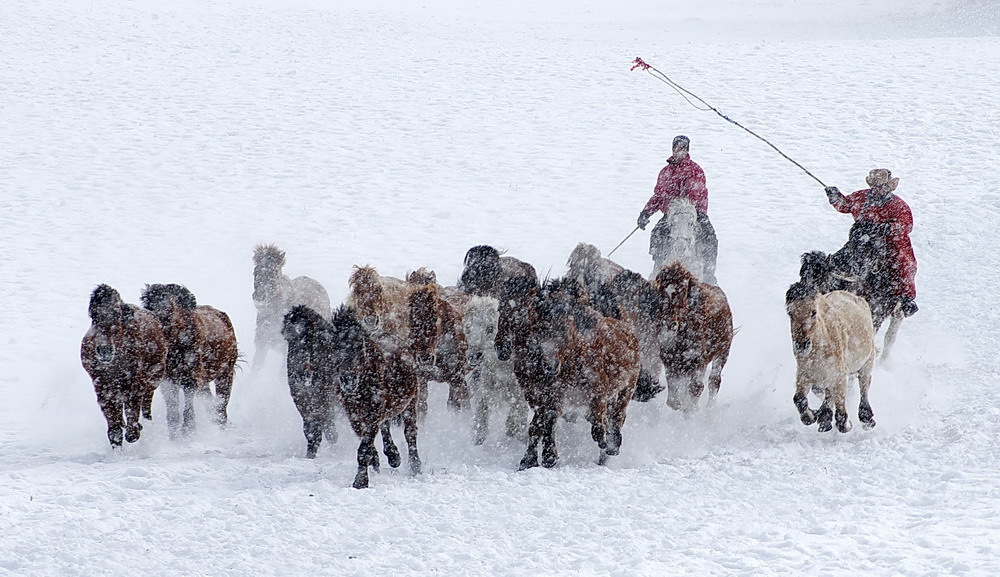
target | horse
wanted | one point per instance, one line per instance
(862, 266)
(378, 381)
(631, 297)
(312, 380)
(696, 332)
(381, 302)
(832, 338)
(485, 270)
(589, 268)
(675, 239)
(490, 380)
(201, 348)
(274, 294)
(125, 354)
(566, 355)
(438, 342)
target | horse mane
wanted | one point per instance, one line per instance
(800, 291)
(423, 305)
(634, 284)
(303, 320)
(421, 276)
(268, 256)
(157, 297)
(102, 297)
(345, 318)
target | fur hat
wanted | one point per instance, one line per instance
(882, 177)
(682, 141)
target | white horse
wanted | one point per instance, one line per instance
(679, 243)
(274, 294)
(832, 338)
(491, 380)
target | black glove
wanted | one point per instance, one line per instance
(832, 193)
(643, 220)
(908, 306)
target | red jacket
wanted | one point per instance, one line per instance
(895, 212)
(679, 179)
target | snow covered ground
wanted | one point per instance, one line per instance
(147, 142)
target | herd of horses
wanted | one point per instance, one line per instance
(503, 340)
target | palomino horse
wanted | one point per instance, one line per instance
(380, 302)
(312, 380)
(675, 239)
(696, 331)
(378, 381)
(274, 294)
(491, 381)
(125, 354)
(438, 344)
(201, 348)
(568, 355)
(832, 338)
(862, 266)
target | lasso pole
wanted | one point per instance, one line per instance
(623, 241)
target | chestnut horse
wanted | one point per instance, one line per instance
(378, 381)
(567, 355)
(125, 354)
(438, 343)
(832, 338)
(490, 380)
(201, 348)
(274, 294)
(312, 380)
(696, 331)
(381, 302)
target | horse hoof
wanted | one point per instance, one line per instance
(868, 425)
(394, 460)
(416, 467)
(602, 460)
(360, 483)
(528, 462)
(825, 427)
(132, 435)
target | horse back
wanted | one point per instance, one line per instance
(848, 323)
(605, 359)
(717, 317)
(309, 292)
(218, 351)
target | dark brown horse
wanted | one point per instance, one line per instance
(125, 354)
(378, 381)
(696, 331)
(312, 379)
(439, 345)
(201, 348)
(567, 355)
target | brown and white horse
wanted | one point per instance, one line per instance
(125, 354)
(201, 348)
(696, 332)
(274, 294)
(832, 338)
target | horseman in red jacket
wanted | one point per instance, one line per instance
(682, 178)
(878, 204)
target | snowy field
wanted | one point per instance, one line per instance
(152, 142)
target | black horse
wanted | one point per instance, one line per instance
(863, 267)
(312, 379)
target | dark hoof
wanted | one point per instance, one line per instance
(825, 426)
(393, 458)
(132, 434)
(807, 418)
(115, 437)
(868, 425)
(416, 467)
(360, 481)
(549, 461)
(603, 459)
(528, 462)
(311, 451)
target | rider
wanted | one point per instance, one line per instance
(682, 178)
(878, 204)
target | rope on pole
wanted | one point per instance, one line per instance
(638, 63)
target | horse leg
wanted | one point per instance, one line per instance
(171, 395)
(865, 413)
(482, 419)
(410, 434)
(647, 388)
(422, 393)
(517, 417)
(715, 377)
(388, 446)
(696, 386)
(366, 454)
(673, 393)
(109, 399)
(329, 424)
(535, 430)
(840, 404)
(825, 413)
(147, 401)
(223, 390)
(598, 418)
(890, 335)
(190, 388)
(133, 409)
(801, 399)
(549, 453)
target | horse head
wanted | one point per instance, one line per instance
(421, 276)
(424, 305)
(482, 270)
(173, 305)
(369, 296)
(268, 260)
(110, 317)
(675, 291)
(800, 303)
(583, 263)
(479, 323)
(349, 338)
